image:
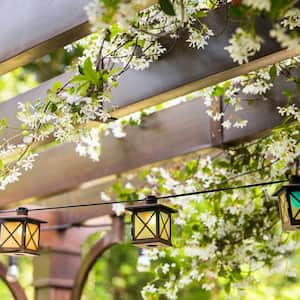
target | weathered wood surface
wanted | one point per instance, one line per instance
(139, 90)
(31, 29)
(57, 23)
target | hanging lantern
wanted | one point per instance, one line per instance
(151, 224)
(289, 200)
(289, 204)
(20, 235)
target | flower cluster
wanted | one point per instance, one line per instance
(243, 45)
(254, 85)
(258, 4)
(220, 239)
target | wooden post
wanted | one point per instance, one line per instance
(55, 269)
(115, 236)
(54, 272)
(59, 271)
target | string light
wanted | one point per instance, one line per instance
(151, 222)
(144, 199)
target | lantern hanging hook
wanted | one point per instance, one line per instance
(151, 199)
(22, 211)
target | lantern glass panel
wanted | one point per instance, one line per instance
(164, 225)
(11, 234)
(295, 204)
(145, 225)
(284, 209)
(32, 236)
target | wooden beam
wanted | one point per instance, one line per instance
(129, 100)
(31, 29)
(182, 71)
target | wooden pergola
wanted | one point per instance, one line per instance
(61, 177)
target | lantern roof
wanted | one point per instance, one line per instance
(151, 206)
(294, 183)
(22, 219)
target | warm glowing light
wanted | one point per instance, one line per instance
(289, 205)
(151, 224)
(20, 235)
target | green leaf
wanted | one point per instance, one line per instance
(227, 287)
(3, 122)
(78, 78)
(53, 107)
(273, 73)
(288, 93)
(25, 133)
(89, 73)
(80, 69)
(56, 86)
(218, 91)
(167, 7)
(201, 14)
(1, 164)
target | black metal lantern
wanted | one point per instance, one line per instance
(289, 204)
(151, 224)
(20, 235)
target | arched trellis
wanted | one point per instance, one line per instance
(115, 236)
(14, 287)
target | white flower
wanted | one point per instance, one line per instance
(143, 263)
(148, 289)
(243, 45)
(90, 144)
(118, 208)
(291, 274)
(208, 219)
(198, 37)
(80, 149)
(226, 124)
(283, 38)
(240, 123)
(27, 162)
(203, 253)
(208, 286)
(104, 196)
(258, 4)
(291, 19)
(165, 268)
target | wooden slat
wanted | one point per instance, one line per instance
(131, 95)
(31, 29)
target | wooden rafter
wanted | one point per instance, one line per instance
(31, 29)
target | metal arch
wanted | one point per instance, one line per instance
(14, 287)
(115, 236)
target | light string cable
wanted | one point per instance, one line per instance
(144, 199)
